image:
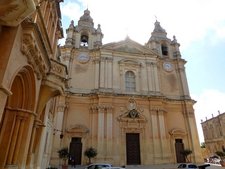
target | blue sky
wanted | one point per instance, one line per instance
(199, 26)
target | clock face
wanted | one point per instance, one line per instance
(168, 66)
(83, 57)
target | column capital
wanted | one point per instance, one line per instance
(5, 90)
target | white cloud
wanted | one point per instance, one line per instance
(209, 102)
(71, 10)
(188, 20)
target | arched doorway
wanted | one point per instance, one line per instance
(17, 121)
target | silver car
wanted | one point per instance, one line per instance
(98, 166)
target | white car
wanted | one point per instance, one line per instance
(187, 166)
(113, 168)
(98, 166)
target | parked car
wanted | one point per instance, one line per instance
(113, 168)
(187, 166)
(98, 166)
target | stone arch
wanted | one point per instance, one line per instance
(23, 89)
(16, 123)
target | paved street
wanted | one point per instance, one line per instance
(161, 166)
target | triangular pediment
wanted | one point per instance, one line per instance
(128, 46)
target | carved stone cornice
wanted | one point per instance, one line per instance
(149, 63)
(13, 12)
(33, 49)
(102, 107)
(58, 69)
(52, 72)
(106, 59)
(157, 109)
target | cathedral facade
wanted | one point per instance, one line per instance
(129, 101)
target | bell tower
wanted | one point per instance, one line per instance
(84, 35)
(163, 45)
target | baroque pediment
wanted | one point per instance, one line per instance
(128, 46)
(132, 113)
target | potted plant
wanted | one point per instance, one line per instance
(186, 153)
(221, 154)
(64, 155)
(90, 153)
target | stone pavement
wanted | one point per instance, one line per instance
(161, 166)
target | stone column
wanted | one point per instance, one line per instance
(102, 73)
(138, 81)
(19, 141)
(110, 73)
(14, 141)
(156, 78)
(100, 137)
(106, 75)
(96, 69)
(109, 128)
(25, 119)
(94, 128)
(184, 81)
(193, 136)
(149, 76)
(163, 138)
(155, 135)
(30, 156)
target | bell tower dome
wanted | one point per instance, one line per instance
(84, 35)
(161, 44)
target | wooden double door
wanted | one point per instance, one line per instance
(179, 147)
(133, 149)
(75, 151)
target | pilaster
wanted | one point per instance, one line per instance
(156, 78)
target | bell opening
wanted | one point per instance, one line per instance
(84, 41)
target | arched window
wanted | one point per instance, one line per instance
(164, 50)
(130, 84)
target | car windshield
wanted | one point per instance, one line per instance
(192, 166)
(98, 166)
(182, 166)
